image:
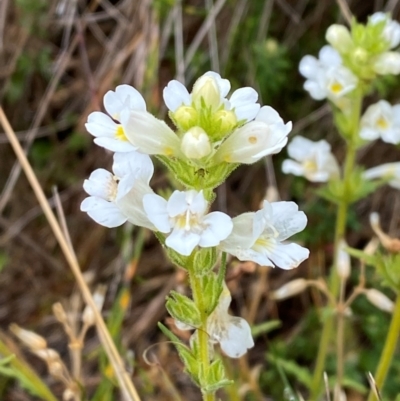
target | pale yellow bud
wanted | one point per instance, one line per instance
(196, 143)
(391, 244)
(380, 300)
(290, 289)
(339, 37)
(185, 117)
(98, 297)
(49, 355)
(343, 261)
(226, 121)
(29, 338)
(360, 55)
(206, 88)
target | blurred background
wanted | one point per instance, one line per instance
(57, 60)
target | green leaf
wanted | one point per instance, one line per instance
(303, 375)
(204, 260)
(183, 309)
(214, 378)
(212, 289)
(265, 327)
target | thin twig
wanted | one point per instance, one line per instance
(345, 10)
(124, 381)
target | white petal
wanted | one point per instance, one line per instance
(287, 219)
(115, 145)
(156, 210)
(241, 235)
(177, 204)
(100, 124)
(315, 90)
(391, 136)
(299, 148)
(131, 205)
(175, 95)
(292, 167)
(308, 66)
(99, 183)
(288, 256)
(369, 134)
(182, 241)
(102, 212)
(237, 339)
(269, 116)
(219, 226)
(197, 202)
(329, 57)
(244, 100)
(133, 163)
(150, 135)
(387, 63)
(253, 141)
(124, 97)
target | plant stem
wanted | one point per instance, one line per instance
(195, 283)
(388, 350)
(340, 229)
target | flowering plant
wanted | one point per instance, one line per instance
(213, 134)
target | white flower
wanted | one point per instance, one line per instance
(257, 236)
(391, 31)
(231, 332)
(185, 215)
(387, 63)
(266, 135)
(150, 135)
(110, 134)
(212, 89)
(389, 171)
(314, 160)
(326, 76)
(116, 198)
(196, 143)
(381, 120)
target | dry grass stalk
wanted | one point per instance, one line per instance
(124, 381)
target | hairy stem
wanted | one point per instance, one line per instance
(388, 350)
(197, 291)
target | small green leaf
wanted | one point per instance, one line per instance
(204, 260)
(183, 309)
(212, 288)
(214, 378)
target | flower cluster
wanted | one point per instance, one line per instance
(211, 130)
(344, 70)
(213, 134)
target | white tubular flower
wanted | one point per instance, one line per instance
(326, 76)
(231, 332)
(258, 236)
(116, 198)
(391, 32)
(389, 171)
(185, 215)
(266, 135)
(211, 89)
(196, 143)
(387, 63)
(339, 37)
(110, 134)
(150, 135)
(381, 120)
(314, 160)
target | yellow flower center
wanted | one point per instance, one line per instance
(336, 87)
(382, 123)
(310, 165)
(120, 133)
